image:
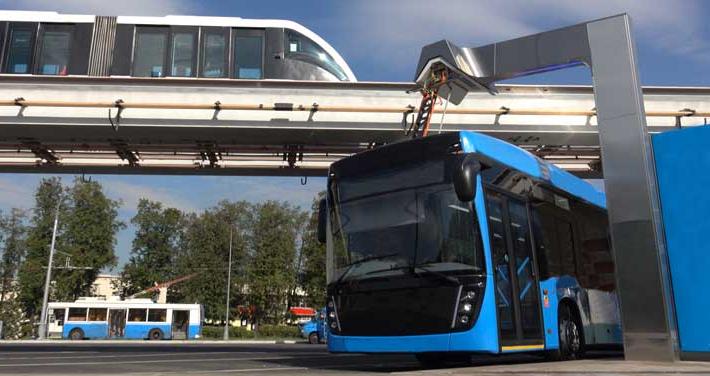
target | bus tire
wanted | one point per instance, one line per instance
(571, 335)
(155, 335)
(313, 338)
(76, 334)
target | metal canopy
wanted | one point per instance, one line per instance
(203, 126)
(606, 46)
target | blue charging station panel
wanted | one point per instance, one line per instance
(683, 169)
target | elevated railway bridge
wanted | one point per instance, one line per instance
(229, 127)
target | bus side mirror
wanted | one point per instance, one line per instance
(464, 177)
(322, 220)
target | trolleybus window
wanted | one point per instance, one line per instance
(54, 53)
(136, 315)
(149, 54)
(19, 55)
(157, 314)
(248, 56)
(98, 314)
(77, 314)
(214, 48)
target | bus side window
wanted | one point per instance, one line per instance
(137, 315)
(565, 241)
(157, 314)
(547, 248)
(77, 314)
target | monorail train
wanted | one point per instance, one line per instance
(49, 43)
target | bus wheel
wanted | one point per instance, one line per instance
(76, 334)
(571, 336)
(313, 339)
(155, 335)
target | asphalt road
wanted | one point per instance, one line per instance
(166, 358)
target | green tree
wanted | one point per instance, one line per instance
(32, 274)
(313, 272)
(205, 251)
(272, 270)
(12, 232)
(12, 237)
(89, 237)
(156, 246)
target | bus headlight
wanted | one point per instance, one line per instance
(332, 315)
(466, 307)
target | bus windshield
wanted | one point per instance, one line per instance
(402, 221)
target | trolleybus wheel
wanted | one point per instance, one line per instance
(76, 334)
(313, 339)
(155, 335)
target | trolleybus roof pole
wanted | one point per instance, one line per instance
(606, 46)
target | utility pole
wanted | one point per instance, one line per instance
(47, 282)
(229, 283)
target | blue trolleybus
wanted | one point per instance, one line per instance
(461, 243)
(96, 318)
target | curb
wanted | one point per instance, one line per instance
(146, 342)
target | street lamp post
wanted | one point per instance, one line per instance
(43, 316)
(229, 283)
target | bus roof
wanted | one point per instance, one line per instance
(513, 156)
(120, 304)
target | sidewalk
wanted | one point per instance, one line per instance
(575, 368)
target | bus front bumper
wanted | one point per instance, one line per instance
(395, 344)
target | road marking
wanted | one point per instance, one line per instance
(134, 355)
(160, 361)
(236, 370)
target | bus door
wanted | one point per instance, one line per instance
(56, 322)
(116, 323)
(516, 286)
(181, 321)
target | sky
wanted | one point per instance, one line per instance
(381, 41)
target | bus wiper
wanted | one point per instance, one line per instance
(441, 275)
(419, 270)
(361, 261)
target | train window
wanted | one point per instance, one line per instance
(214, 50)
(149, 52)
(19, 54)
(248, 56)
(182, 56)
(55, 49)
(301, 48)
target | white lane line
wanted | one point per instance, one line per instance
(128, 355)
(44, 352)
(157, 361)
(236, 370)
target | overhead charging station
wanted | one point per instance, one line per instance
(656, 284)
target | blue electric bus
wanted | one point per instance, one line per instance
(460, 243)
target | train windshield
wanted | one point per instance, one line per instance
(300, 47)
(399, 222)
